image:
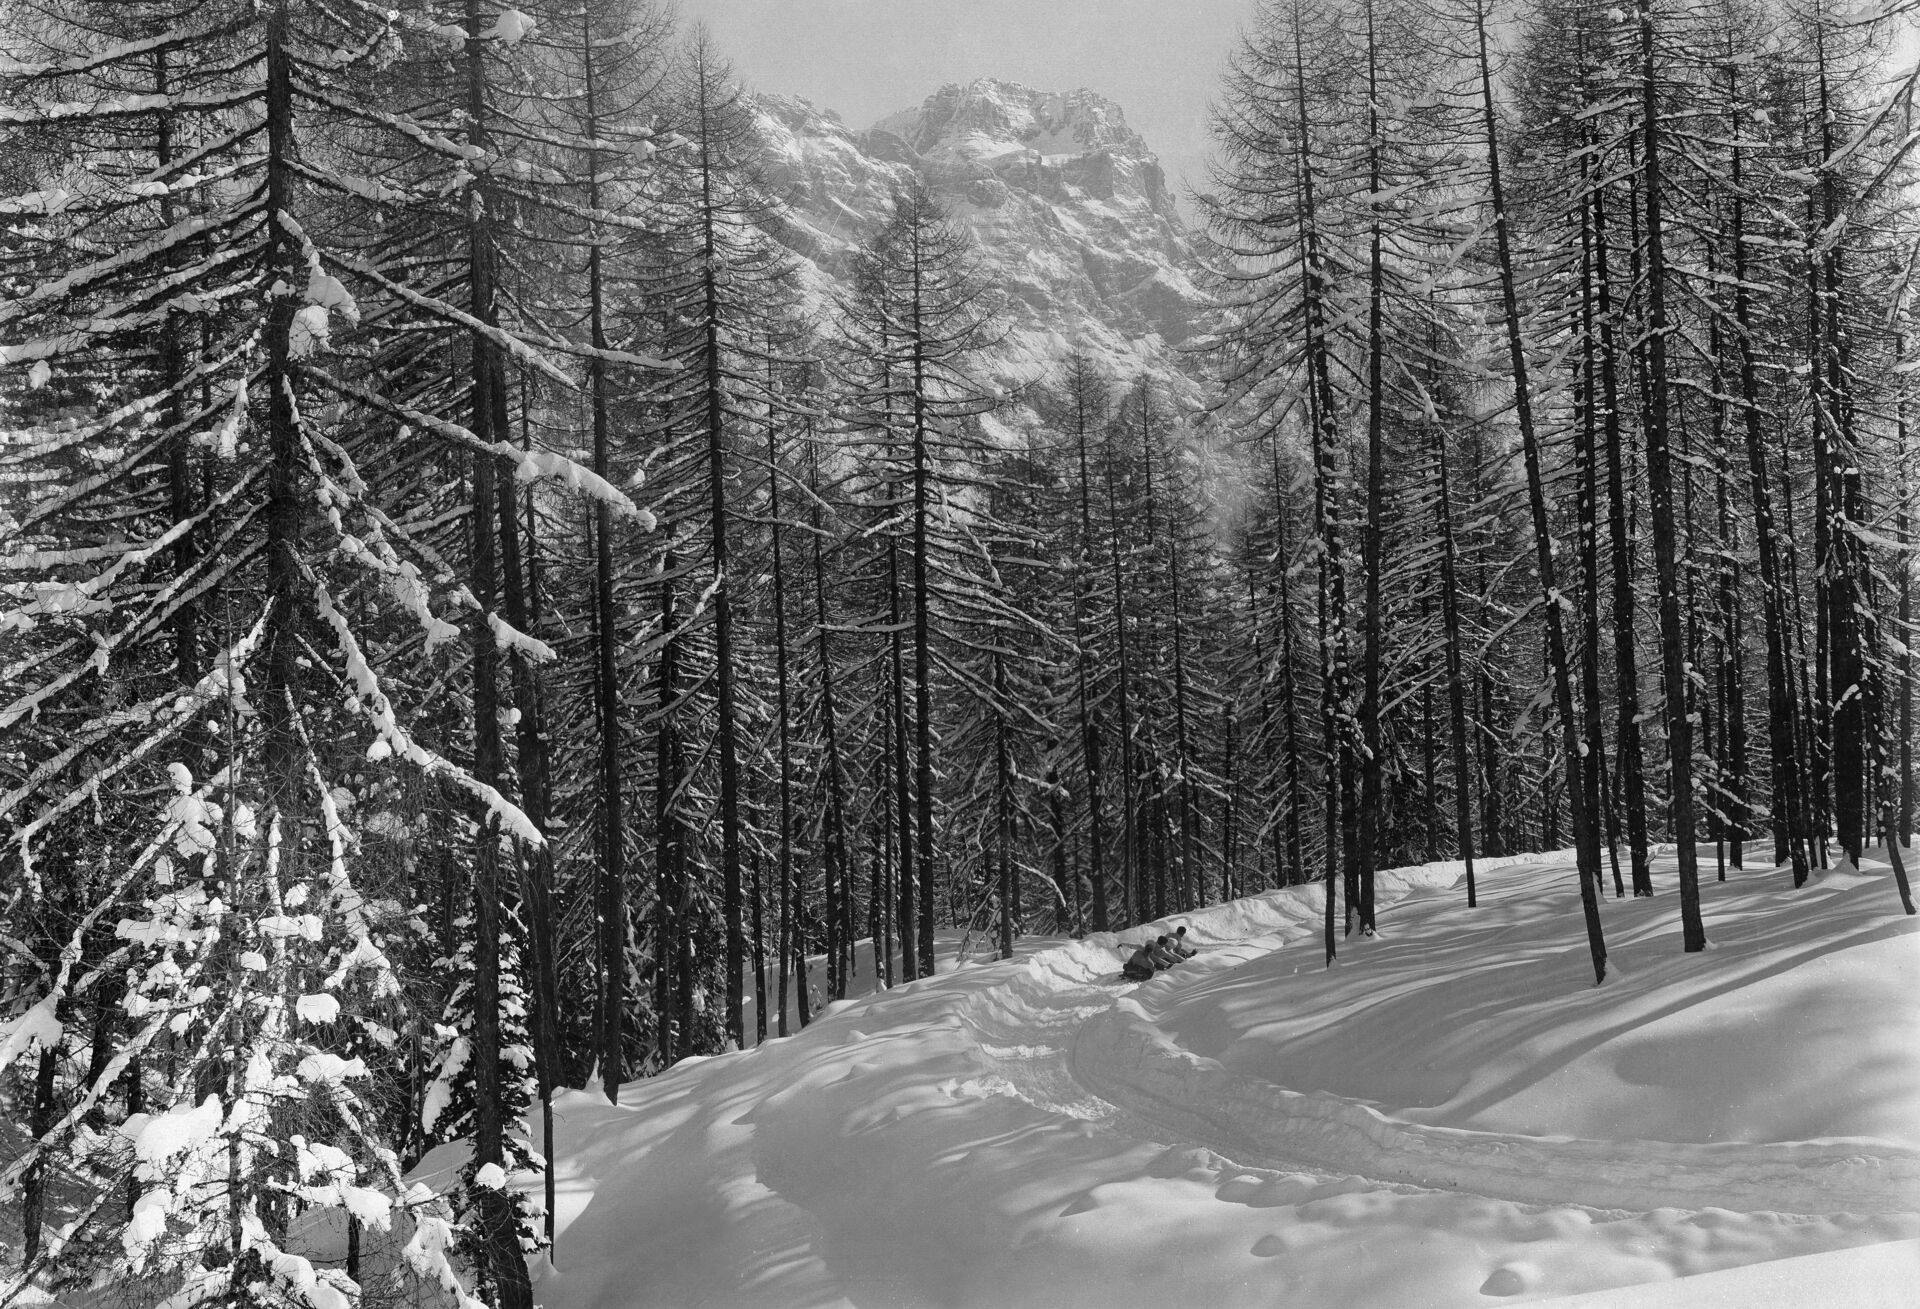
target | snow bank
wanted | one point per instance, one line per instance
(1870, 1277)
(1034, 1132)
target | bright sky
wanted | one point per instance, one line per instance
(1158, 59)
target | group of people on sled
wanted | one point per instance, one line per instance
(1158, 955)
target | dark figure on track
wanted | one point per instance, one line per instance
(1157, 955)
(1140, 965)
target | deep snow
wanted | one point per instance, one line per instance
(1453, 1115)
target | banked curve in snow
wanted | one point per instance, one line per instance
(1118, 1054)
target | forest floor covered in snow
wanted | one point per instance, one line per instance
(1452, 1115)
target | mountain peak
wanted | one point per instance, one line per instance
(1036, 141)
(1067, 205)
(989, 117)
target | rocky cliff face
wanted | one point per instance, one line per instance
(1068, 205)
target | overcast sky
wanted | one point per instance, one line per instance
(866, 58)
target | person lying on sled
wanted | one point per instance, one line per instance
(1140, 965)
(1157, 955)
(1181, 946)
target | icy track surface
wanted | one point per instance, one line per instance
(1452, 1115)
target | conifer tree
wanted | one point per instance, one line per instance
(918, 320)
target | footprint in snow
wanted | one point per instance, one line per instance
(1082, 1205)
(1268, 1192)
(1510, 1279)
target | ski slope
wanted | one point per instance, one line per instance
(1452, 1115)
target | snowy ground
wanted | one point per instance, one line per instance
(1453, 1115)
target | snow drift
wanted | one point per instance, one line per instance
(1452, 1115)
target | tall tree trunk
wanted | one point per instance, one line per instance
(880, 904)
(505, 1269)
(673, 926)
(1090, 752)
(1493, 799)
(838, 868)
(759, 951)
(536, 863)
(1229, 794)
(1189, 893)
(1626, 659)
(922, 625)
(1289, 696)
(1131, 899)
(789, 895)
(283, 766)
(1663, 511)
(902, 786)
(1733, 680)
(1337, 736)
(1808, 738)
(1365, 851)
(1903, 528)
(173, 372)
(1587, 517)
(1003, 808)
(1066, 881)
(610, 882)
(1585, 833)
(1456, 671)
(1843, 566)
(714, 416)
(1783, 718)
(1430, 840)
(40, 1119)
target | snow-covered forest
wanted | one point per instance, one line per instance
(508, 581)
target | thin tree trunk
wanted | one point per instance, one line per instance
(1909, 785)
(838, 870)
(1365, 851)
(1189, 893)
(673, 931)
(789, 895)
(1843, 566)
(1782, 699)
(922, 625)
(1632, 766)
(1587, 515)
(726, 728)
(902, 787)
(33, 1181)
(1456, 671)
(1289, 698)
(610, 883)
(180, 486)
(1130, 892)
(536, 864)
(1003, 808)
(1229, 792)
(1090, 752)
(759, 951)
(1733, 681)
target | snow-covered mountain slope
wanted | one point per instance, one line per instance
(1069, 208)
(1453, 1115)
